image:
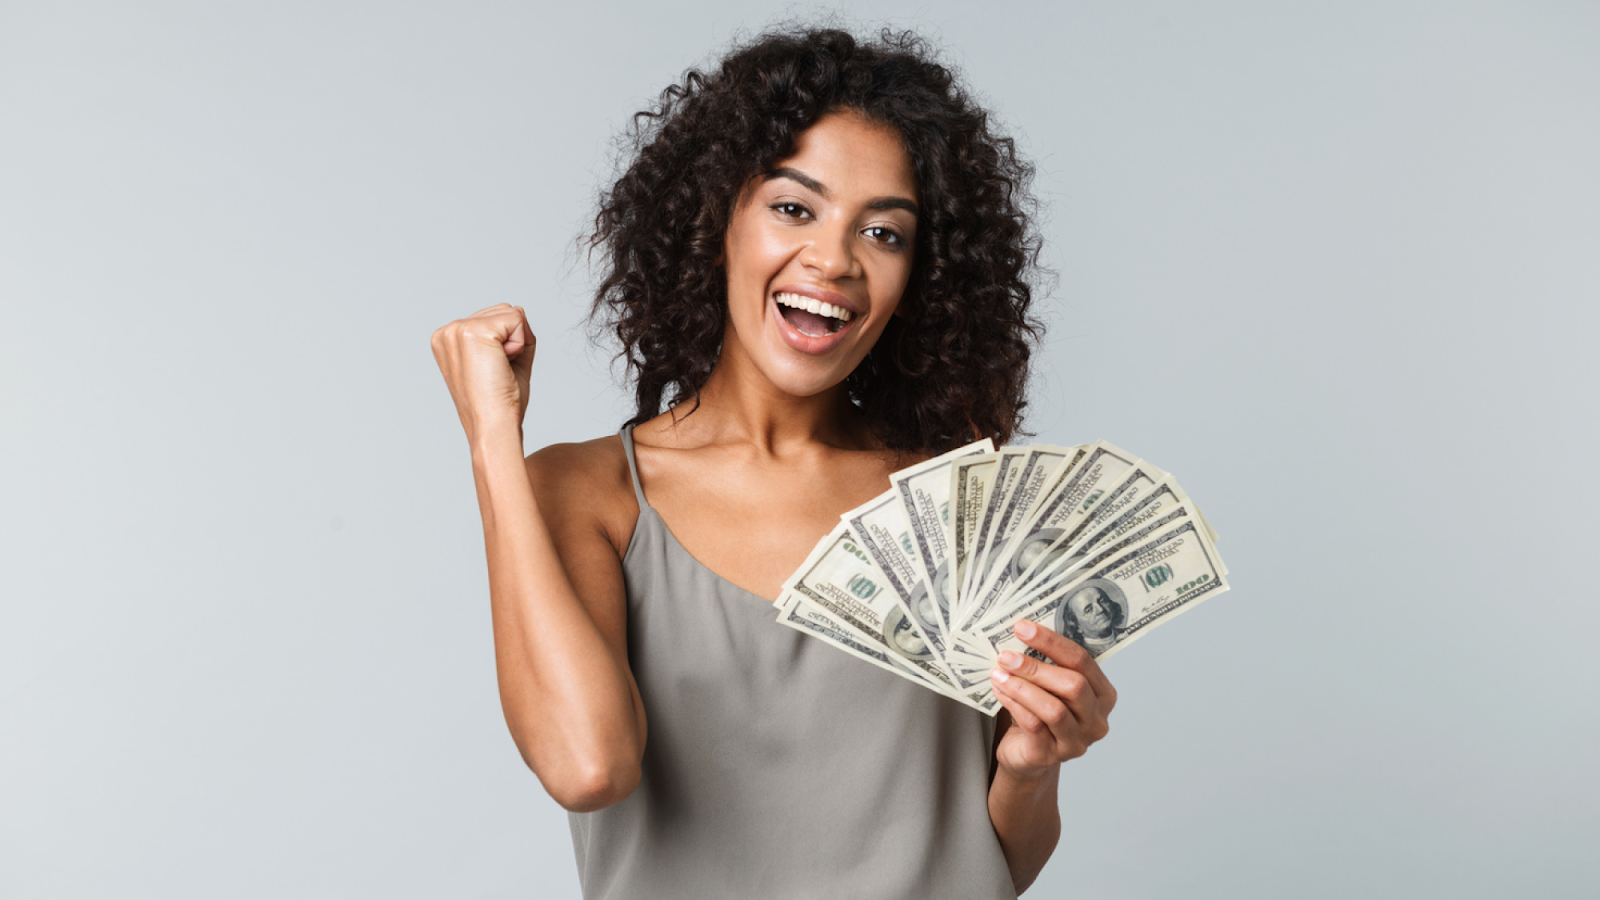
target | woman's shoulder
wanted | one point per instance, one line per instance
(584, 486)
(598, 459)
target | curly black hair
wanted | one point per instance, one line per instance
(954, 367)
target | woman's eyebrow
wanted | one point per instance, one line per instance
(815, 186)
(806, 181)
(892, 203)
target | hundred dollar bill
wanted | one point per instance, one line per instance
(796, 612)
(1159, 508)
(1008, 467)
(963, 658)
(983, 700)
(924, 492)
(1039, 470)
(880, 529)
(890, 646)
(969, 485)
(855, 588)
(1128, 507)
(844, 582)
(1090, 541)
(968, 665)
(979, 692)
(971, 680)
(1070, 503)
(1117, 601)
(1040, 549)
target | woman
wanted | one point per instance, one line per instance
(817, 261)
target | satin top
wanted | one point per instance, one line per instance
(777, 766)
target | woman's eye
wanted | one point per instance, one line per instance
(792, 210)
(885, 235)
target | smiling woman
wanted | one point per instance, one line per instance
(953, 364)
(817, 266)
(824, 237)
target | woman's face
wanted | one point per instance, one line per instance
(833, 224)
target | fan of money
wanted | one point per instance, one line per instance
(928, 579)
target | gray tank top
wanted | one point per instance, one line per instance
(777, 766)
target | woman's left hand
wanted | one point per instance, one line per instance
(1058, 710)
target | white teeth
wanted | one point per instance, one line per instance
(816, 307)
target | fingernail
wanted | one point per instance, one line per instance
(1010, 659)
(999, 676)
(1026, 629)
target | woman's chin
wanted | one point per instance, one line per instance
(804, 377)
(807, 387)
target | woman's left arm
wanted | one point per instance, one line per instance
(1057, 711)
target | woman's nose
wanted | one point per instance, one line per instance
(832, 254)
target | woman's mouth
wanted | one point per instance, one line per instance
(809, 316)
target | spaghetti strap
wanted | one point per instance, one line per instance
(633, 465)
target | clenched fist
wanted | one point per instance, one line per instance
(487, 360)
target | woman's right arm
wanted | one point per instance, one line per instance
(560, 643)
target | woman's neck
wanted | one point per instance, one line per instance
(738, 408)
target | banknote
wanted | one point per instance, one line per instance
(1041, 477)
(807, 609)
(929, 579)
(1099, 532)
(924, 493)
(879, 528)
(1035, 471)
(841, 579)
(1070, 502)
(1114, 539)
(795, 612)
(1112, 605)
(1043, 550)
(969, 487)
(1008, 467)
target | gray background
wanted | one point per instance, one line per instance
(1334, 265)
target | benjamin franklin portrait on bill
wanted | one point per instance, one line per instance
(1037, 546)
(902, 636)
(1095, 615)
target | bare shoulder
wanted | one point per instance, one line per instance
(584, 489)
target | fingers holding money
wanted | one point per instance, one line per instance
(1059, 700)
(1032, 707)
(1068, 655)
(1059, 709)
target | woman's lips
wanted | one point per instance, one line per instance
(807, 322)
(812, 344)
(822, 306)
